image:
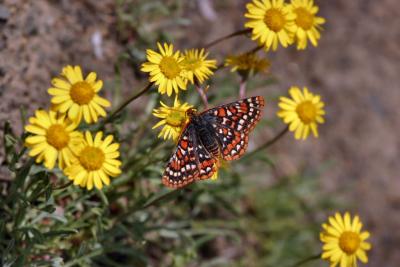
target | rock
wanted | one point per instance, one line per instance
(4, 14)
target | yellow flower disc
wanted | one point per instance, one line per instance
(57, 136)
(81, 93)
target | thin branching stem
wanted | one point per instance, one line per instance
(223, 38)
(202, 94)
(268, 143)
(126, 103)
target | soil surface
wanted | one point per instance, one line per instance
(355, 69)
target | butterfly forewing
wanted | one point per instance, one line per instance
(241, 115)
(233, 122)
(181, 168)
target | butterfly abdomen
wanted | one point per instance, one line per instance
(207, 139)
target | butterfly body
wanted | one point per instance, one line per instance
(217, 133)
(205, 133)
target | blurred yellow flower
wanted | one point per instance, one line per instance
(344, 243)
(96, 160)
(271, 21)
(77, 96)
(247, 64)
(173, 118)
(302, 112)
(220, 164)
(166, 69)
(306, 22)
(197, 65)
(52, 138)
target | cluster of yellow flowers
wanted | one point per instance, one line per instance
(271, 22)
(274, 21)
(54, 137)
(171, 71)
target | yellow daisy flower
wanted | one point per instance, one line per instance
(302, 112)
(166, 69)
(344, 242)
(173, 118)
(96, 160)
(247, 63)
(271, 21)
(52, 138)
(307, 23)
(197, 65)
(77, 96)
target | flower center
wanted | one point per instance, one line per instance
(57, 136)
(304, 19)
(307, 112)
(81, 93)
(91, 158)
(169, 67)
(274, 19)
(349, 242)
(176, 118)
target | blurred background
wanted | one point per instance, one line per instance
(354, 165)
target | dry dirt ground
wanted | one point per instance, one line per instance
(356, 70)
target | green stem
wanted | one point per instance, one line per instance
(92, 254)
(125, 103)
(223, 38)
(314, 257)
(161, 197)
(268, 143)
(202, 94)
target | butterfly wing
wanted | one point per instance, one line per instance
(233, 122)
(190, 162)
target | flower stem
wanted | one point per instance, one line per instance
(223, 38)
(126, 102)
(242, 88)
(268, 143)
(314, 257)
(202, 95)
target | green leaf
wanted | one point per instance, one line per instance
(63, 232)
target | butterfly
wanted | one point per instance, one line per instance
(220, 132)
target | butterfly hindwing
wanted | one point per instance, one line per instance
(190, 162)
(206, 162)
(233, 143)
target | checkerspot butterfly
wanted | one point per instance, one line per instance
(220, 132)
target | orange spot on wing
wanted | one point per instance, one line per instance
(221, 112)
(184, 144)
(243, 107)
